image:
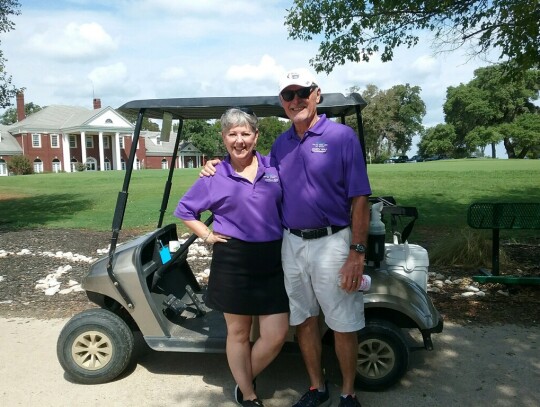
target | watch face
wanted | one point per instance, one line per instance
(360, 248)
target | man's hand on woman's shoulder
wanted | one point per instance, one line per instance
(209, 168)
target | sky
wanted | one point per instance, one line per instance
(69, 52)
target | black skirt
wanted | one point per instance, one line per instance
(247, 278)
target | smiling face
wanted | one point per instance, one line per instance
(240, 141)
(302, 112)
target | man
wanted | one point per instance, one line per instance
(325, 189)
(326, 220)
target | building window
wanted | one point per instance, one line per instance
(108, 121)
(3, 168)
(38, 166)
(89, 142)
(121, 141)
(164, 164)
(56, 165)
(55, 141)
(36, 140)
(72, 141)
(107, 142)
(137, 165)
(91, 164)
(107, 164)
(123, 164)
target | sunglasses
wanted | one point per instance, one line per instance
(302, 93)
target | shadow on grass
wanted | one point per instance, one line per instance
(35, 211)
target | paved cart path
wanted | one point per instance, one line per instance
(495, 365)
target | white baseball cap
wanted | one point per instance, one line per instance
(300, 77)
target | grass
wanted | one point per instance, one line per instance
(441, 190)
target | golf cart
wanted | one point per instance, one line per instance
(144, 285)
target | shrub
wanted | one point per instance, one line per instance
(20, 165)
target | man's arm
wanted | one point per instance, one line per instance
(209, 168)
(353, 269)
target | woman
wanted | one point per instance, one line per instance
(246, 277)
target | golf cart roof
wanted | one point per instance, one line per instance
(333, 105)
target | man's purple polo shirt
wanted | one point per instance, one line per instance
(246, 211)
(320, 174)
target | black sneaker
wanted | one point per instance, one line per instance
(349, 401)
(238, 396)
(314, 398)
(253, 403)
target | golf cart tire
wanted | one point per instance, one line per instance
(95, 346)
(383, 355)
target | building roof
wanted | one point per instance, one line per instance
(8, 144)
(155, 147)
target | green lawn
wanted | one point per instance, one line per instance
(441, 190)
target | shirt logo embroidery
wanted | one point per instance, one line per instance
(319, 147)
(269, 177)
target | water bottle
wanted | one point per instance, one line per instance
(364, 285)
(377, 235)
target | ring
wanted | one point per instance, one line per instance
(354, 280)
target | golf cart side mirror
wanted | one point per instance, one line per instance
(166, 126)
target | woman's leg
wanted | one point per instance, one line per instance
(273, 332)
(239, 352)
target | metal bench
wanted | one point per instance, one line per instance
(497, 216)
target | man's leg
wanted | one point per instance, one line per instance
(346, 344)
(309, 340)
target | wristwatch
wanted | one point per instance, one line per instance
(359, 247)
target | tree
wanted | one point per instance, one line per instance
(269, 129)
(204, 136)
(391, 119)
(355, 30)
(487, 101)
(20, 165)
(7, 90)
(10, 115)
(438, 140)
(146, 123)
(524, 132)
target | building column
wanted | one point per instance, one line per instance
(83, 147)
(117, 157)
(66, 159)
(101, 152)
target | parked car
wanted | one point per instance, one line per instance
(416, 159)
(397, 159)
(437, 157)
(144, 285)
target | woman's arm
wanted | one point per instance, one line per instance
(207, 235)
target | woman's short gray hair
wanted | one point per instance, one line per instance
(239, 116)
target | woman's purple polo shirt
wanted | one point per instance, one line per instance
(320, 174)
(243, 210)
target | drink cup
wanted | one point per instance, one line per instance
(365, 285)
(174, 245)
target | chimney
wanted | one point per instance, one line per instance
(20, 106)
(97, 103)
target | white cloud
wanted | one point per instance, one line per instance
(73, 42)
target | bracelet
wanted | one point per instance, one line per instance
(207, 236)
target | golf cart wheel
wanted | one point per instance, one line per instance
(95, 346)
(383, 355)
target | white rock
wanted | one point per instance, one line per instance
(467, 294)
(472, 288)
(41, 286)
(66, 290)
(457, 281)
(52, 290)
(6, 302)
(1, 278)
(23, 252)
(439, 276)
(438, 283)
(505, 293)
(447, 281)
(433, 290)
(71, 283)
(480, 294)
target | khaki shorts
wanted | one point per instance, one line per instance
(311, 270)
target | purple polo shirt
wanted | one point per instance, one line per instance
(244, 210)
(320, 174)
